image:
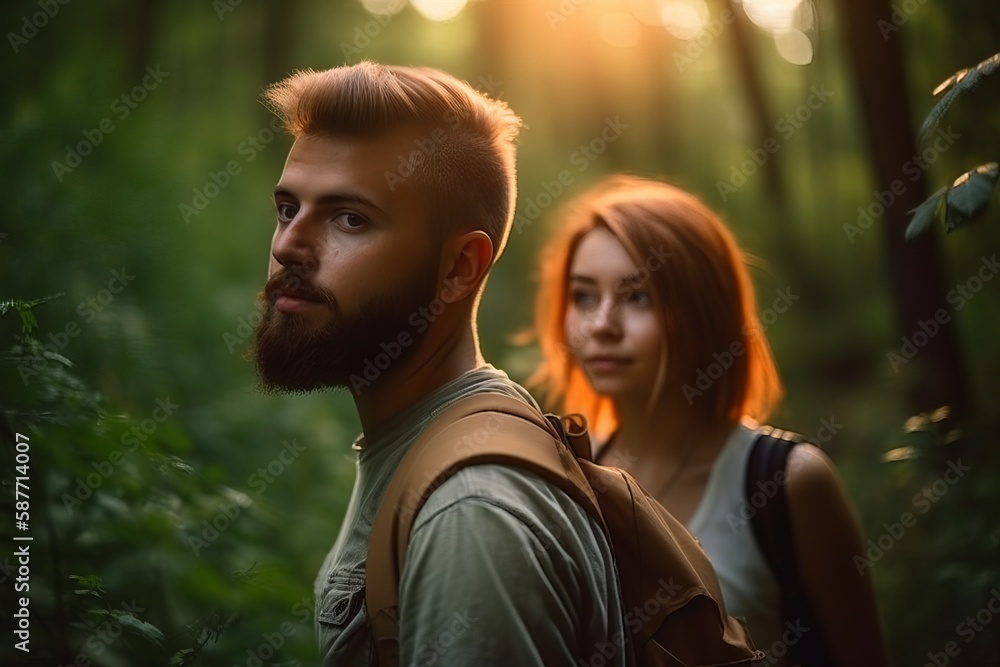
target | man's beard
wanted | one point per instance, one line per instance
(291, 357)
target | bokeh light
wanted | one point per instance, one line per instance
(794, 46)
(649, 12)
(805, 16)
(383, 6)
(684, 19)
(439, 10)
(773, 15)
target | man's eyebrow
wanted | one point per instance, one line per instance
(333, 198)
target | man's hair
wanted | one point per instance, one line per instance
(702, 293)
(463, 158)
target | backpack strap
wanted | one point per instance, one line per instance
(772, 528)
(770, 524)
(483, 428)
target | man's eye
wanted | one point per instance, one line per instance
(351, 222)
(286, 211)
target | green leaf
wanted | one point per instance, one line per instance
(87, 591)
(970, 194)
(165, 463)
(28, 321)
(182, 657)
(925, 214)
(145, 630)
(90, 582)
(178, 464)
(55, 356)
(957, 84)
(23, 308)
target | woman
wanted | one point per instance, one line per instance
(647, 324)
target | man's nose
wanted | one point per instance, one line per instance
(294, 247)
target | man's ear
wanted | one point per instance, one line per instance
(465, 262)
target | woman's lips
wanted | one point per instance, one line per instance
(607, 364)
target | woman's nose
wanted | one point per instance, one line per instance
(607, 321)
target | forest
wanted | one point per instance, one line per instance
(178, 516)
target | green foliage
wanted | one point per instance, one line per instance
(180, 328)
(954, 544)
(922, 435)
(958, 84)
(925, 214)
(970, 194)
(97, 618)
(23, 308)
(127, 587)
(968, 197)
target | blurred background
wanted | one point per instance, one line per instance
(178, 517)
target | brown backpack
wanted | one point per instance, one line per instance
(682, 625)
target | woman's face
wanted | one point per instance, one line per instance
(612, 326)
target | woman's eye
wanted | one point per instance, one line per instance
(351, 222)
(582, 298)
(286, 211)
(639, 297)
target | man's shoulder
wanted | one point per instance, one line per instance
(510, 512)
(489, 380)
(505, 487)
(534, 504)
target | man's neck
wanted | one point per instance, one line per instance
(419, 376)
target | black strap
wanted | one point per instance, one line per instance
(772, 528)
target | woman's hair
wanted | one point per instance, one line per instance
(463, 158)
(714, 351)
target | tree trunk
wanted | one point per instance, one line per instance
(764, 130)
(915, 267)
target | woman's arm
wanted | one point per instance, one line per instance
(827, 536)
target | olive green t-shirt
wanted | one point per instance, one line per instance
(502, 569)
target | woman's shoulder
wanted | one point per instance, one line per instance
(812, 480)
(810, 473)
(805, 460)
(809, 465)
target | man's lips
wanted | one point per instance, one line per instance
(290, 301)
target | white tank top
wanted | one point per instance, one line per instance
(749, 588)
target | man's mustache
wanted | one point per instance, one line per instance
(292, 284)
